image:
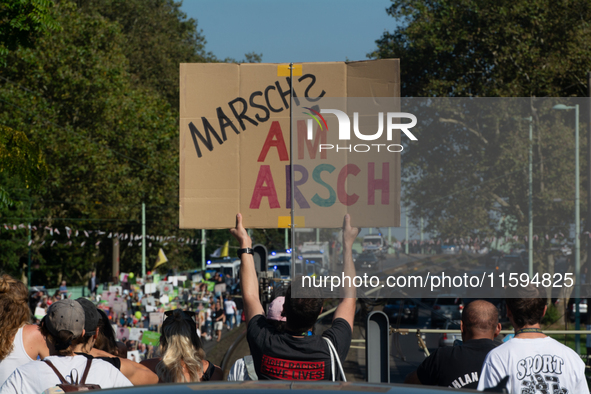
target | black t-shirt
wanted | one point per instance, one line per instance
(455, 366)
(216, 314)
(281, 356)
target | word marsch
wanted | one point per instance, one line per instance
(274, 98)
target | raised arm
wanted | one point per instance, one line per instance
(249, 283)
(346, 308)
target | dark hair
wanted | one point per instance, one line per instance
(64, 343)
(177, 316)
(301, 313)
(526, 311)
(106, 340)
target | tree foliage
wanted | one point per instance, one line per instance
(110, 143)
(466, 173)
(22, 21)
(157, 38)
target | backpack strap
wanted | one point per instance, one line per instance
(59, 375)
(86, 370)
(249, 364)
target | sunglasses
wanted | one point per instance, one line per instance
(187, 315)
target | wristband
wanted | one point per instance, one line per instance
(245, 250)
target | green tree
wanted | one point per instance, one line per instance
(22, 21)
(158, 37)
(464, 174)
(110, 145)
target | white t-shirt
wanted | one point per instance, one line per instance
(230, 307)
(37, 376)
(536, 366)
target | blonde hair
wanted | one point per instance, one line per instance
(14, 311)
(178, 351)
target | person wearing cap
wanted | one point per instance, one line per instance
(135, 372)
(63, 328)
(532, 361)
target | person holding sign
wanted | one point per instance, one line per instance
(296, 353)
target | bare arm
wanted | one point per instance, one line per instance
(137, 374)
(35, 344)
(346, 308)
(248, 277)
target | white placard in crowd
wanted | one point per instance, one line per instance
(136, 333)
(150, 288)
(116, 289)
(176, 279)
(39, 312)
(120, 306)
(156, 318)
(151, 308)
(134, 356)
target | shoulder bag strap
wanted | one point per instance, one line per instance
(59, 375)
(86, 370)
(335, 356)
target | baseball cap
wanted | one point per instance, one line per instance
(275, 309)
(91, 316)
(65, 315)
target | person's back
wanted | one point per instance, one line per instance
(459, 366)
(533, 361)
(20, 343)
(63, 326)
(36, 377)
(295, 353)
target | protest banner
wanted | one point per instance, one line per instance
(136, 333)
(134, 355)
(151, 338)
(150, 288)
(116, 289)
(39, 313)
(235, 146)
(156, 318)
(122, 333)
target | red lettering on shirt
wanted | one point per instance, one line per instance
(276, 368)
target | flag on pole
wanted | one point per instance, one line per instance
(161, 258)
(225, 250)
(216, 253)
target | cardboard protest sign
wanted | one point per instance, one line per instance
(235, 144)
(151, 338)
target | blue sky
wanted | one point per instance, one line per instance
(291, 31)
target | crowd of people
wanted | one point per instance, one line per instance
(80, 335)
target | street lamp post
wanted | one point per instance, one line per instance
(530, 240)
(577, 226)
